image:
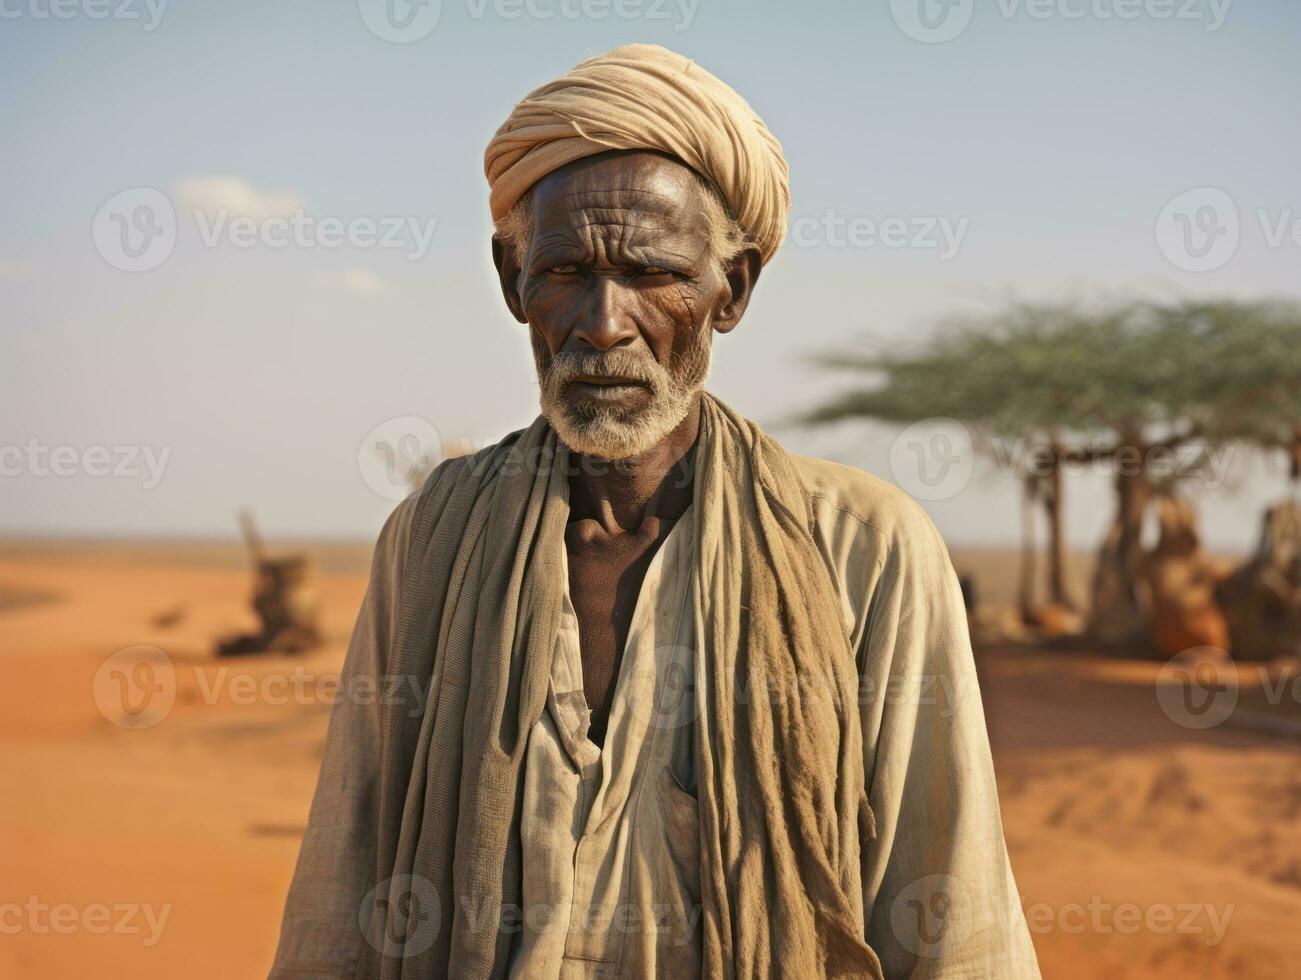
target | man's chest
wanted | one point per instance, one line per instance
(606, 574)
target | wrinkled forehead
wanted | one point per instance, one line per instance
(646, 193)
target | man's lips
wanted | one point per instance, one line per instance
(605, 380)
(601, 386)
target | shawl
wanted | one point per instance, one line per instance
(783, 806)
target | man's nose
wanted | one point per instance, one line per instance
(609, 322)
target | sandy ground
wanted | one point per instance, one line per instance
(1142, 848)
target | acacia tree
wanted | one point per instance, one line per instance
(1145, 389)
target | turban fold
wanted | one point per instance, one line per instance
(645, 97)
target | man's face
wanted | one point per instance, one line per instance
(620, 291)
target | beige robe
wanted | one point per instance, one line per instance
(607, 888)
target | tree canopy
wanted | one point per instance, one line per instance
(1214, 370)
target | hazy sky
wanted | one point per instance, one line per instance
(1031, 155)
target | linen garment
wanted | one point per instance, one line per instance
(938, 895)
(610, 833)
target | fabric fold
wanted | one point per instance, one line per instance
(779, 743)
(645, 97)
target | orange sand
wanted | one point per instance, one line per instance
(1123, 826)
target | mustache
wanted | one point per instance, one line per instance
(628, 364)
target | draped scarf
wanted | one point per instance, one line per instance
(782, 801)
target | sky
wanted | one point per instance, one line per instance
(244, 257)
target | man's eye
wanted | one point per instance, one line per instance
(563, 270)
(654, 271)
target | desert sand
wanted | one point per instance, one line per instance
(1142, 848)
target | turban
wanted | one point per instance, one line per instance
(645, 97)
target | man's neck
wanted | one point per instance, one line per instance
(620, 495)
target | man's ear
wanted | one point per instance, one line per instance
(742, 273)
(508, 272)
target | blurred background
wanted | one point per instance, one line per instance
(1041, 271)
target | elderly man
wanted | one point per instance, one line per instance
(635, 692)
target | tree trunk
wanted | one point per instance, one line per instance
(1029, 491)
(1057, 575)
(1120, 614)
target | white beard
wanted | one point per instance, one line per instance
(612, 432)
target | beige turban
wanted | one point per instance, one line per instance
(645, 97)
